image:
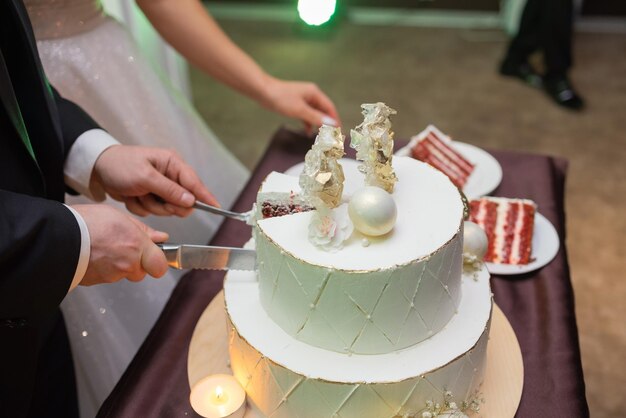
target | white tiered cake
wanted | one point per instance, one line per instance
(380, 328)
(360, 308)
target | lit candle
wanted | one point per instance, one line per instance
(218, 396)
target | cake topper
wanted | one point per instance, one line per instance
(373, 142)
(321, 182)
(322, 179)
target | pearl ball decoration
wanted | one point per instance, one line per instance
(474, 240)
(373, 211)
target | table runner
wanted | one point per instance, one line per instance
(539, 305)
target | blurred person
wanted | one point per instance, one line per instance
(47, 249)
(93, 61)
(546, 26)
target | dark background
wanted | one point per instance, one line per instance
(589, 8)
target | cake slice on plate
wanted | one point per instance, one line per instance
(509, 225)
(433, 147)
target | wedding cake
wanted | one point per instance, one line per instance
(360, 306)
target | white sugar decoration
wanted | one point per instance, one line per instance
(448, 408)
(322, 179)
(373, 142)
(474, 248)
(330, 228)
(372, 211)
(321, 182)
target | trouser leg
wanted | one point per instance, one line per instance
(556, 37)
(528, 37)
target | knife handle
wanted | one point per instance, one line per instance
(172, 254)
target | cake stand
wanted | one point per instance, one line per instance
(504, 376)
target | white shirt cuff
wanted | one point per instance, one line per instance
(81, 160)
(85, 249)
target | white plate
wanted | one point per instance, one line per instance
(487, 173)
(544, 247)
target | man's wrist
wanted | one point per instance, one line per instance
(81, 160)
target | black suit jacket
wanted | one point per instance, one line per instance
(39, 237)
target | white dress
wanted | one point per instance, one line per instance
(92, 60)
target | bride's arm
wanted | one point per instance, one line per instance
(189, 28)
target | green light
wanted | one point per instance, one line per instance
(316, 12)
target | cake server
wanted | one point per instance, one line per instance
(184, 256)
(240, 216)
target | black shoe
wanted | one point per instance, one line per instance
(562, 92)
(523, 71)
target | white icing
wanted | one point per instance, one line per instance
(429, 214)
(389, 295)
(285, 377)
(404, 303)
(501, 211)
(517, 238)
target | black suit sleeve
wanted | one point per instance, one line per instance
(39, 250)
(74, 120)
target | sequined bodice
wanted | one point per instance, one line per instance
(63, 18)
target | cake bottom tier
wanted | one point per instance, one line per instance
(286, 378)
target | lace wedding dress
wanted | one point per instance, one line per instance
(92, 60)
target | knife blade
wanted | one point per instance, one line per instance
(184, 256)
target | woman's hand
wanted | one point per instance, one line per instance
(301, 100)
(193, 32)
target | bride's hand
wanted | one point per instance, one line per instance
(137, 175)
(301, 100)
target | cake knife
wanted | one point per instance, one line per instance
(184, 256)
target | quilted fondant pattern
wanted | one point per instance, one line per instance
(360, 312)
(280, 393)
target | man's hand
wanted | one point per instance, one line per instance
(121, 246)
(137, 175)
(301, 100)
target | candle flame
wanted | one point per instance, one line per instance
(219, 392)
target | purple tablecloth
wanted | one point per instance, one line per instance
(539, 305)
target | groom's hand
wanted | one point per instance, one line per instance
(136, 175)
(121, 246)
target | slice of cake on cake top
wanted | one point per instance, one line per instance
(272, 205)
(509, 226)
(434, 147)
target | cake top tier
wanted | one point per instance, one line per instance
(430, 213)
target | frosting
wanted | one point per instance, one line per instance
(285, 377)
(400, 289)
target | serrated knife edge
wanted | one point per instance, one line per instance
(186, 256)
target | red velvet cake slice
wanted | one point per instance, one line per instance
(509, 226)
(433, 147)
(280, 204)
